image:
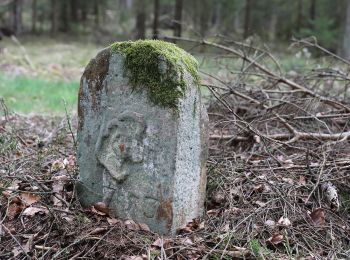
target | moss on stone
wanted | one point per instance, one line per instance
(160, 67)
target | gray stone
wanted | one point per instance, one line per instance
(146, 162)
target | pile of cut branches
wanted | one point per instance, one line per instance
(280, 154)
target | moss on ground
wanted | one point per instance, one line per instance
(160, 67)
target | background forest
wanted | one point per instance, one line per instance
(110, 20)
(56, 38)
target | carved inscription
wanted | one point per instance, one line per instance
(121, 144)
(120, 148)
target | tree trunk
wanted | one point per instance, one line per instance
(346, 41)
(17, 17)
(312, 13)
(34, 15)
(140, 19)
(178, 18)
(247, 29)
(299, 15)
(74, 10)
(204, 17)
(156, 20)
(97, 12)
(83, 7)
(65, 16)
(215, 19)
(54, 16)
(272, 26)
(313, 10)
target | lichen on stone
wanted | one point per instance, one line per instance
(160, 67)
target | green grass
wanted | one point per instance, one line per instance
(26, 94)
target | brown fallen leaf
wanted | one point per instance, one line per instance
(114, 221)
(187, 241)
(144, 227)
(102, 207)
(29, 245)
(57, 165)
(302, 180)
(162, 242)
(131, 225)
(58, 188)
(270, 223)
(98, 231)
(275, 239)
(317, 216)
(260, 203)
(16, 251)
(213, 212)
(14, 209)
(219, 197)
(284, 222)
(132, 257)
(259, 188)
(31, 211)
(12, 188)
(288, 180)
(29, 198)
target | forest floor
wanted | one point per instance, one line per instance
(278, 169)
(255, 207)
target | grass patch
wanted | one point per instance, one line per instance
(26, 95)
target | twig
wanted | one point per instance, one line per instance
(15, 239)
(262, 68)
(318, 179)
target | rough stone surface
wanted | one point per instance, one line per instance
(146, 162)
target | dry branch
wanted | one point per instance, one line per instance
(265, 70)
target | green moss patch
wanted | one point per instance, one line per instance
(160, 67)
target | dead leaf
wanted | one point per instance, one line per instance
(288, 180)
(98, 230)
(16, 251)
(14, 209)
(331, 194)
(102, 207)
(257, 139)
(187, 241)
(144, 227)
(284, 222)
(113, 221)
(157, 243)
(29, 245)
(259, 188)
(317, 216)
(58, 187)
(302, 180)
(31, 211)
(10, 189)
(69, 219)
(270, 223)
(29, 198)
(225, 228)
(132, 257)
(162, 242)
(57, 165)
(131, 225)
(219, 197)
(260, 203)
(213, 212)
(275, 239)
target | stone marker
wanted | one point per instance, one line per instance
(143, 134)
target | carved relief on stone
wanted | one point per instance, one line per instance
(120, 144)
(119, 147)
